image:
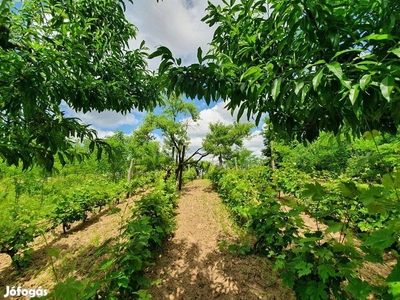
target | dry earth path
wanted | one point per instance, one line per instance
(193, 265)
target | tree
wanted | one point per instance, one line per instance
(175, 134)
(117, 162)
(72, 52)
(313, 66)
(145, 151)
(220, 141)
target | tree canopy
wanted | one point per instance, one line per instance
(220, 141)
(72, 52)
(312, 66)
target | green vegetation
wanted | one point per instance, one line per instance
(319, 217)
(327, 73)
(71, 52)
(312, 66)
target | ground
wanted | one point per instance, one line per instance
(194, 264)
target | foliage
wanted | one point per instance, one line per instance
(176, 132)
(222, 138)
(153, 220)
(313, 263)
(117, 163)
(274, 228)
(53, 55)
(339, 73)
(189, 175)
(122, 270)
(18, 230)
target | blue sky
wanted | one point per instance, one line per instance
(175, 24)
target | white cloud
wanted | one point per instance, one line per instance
(106, 120)
(175, 24)
(198, 131)
(104, 133)
(255, 143)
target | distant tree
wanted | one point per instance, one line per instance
(220, 141)
(116, 163)
(175, 131)
(244, 158)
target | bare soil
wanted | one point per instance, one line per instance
(195, 265)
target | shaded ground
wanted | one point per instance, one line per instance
(193, 264)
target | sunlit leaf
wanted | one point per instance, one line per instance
(387, 86)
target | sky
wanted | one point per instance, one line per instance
(177, 25)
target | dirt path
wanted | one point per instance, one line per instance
(192, 266)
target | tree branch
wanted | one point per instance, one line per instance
(202, 155)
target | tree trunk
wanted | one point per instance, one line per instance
(220, 161)
(271, 144)
(236, 167)
(181, 168)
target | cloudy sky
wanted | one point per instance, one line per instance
(175, 24)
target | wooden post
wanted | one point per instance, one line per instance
(130, 171)
(129, 178)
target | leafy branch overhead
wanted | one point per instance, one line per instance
(311, 66)
(73, 53)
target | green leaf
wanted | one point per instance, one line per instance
(394, 289)
(325, 271)
(349, 189)
(106, 264)
(53, 252)
(298, 86)
(381, 239)
(69, 290)
(347, 51)
(396, 51)
(316, 290)
(393, 281)
(395, 274)
(355, 89)
(336, 69)
(387, 86)
(364, 81)
(371, 135)
(387, 181)
(333, 226)
(377, 37)
(276, 88)
(303, 268)
(317, 79)
(161, 51)
(358, 288)
(250, 71)
(199, 55)
(319, 62)
(313, 190)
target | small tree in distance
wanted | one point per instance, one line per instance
(220, 141)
